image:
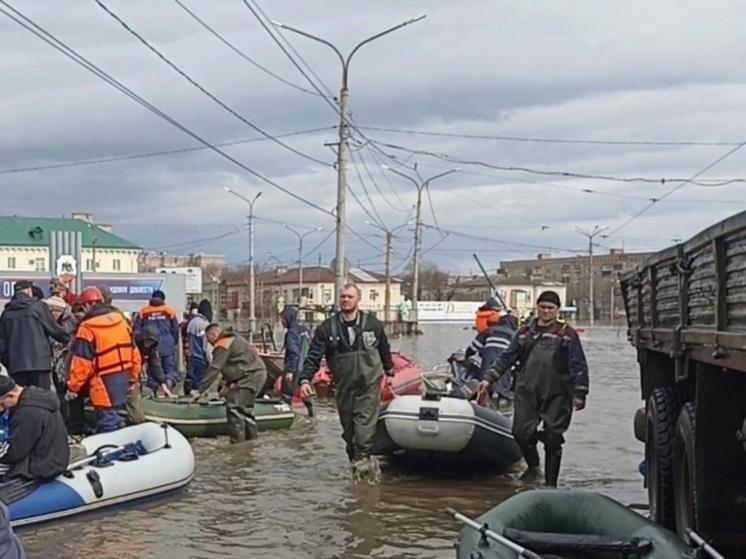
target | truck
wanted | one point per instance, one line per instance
(686, 316)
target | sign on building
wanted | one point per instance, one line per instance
(66, 268)
(193, 277)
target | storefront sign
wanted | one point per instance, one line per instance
(121, 289)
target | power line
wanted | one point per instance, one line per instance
(156, 153)
(367, 194)
(240, 53)
(205, 91)
(95, 70)
(567, 174)
(544, 140)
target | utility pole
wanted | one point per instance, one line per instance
(94, 244)
(301, 236)
(389, 253)
(420, 184)
(252, 278)
(344, 133)
(591, 235)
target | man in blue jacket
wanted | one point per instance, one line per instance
(164, 318)
(490, 345)
(297, 342)
(200, 352)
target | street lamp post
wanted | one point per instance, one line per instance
(344, 100)
(420, 184)
(300, 236)
(591, 235)
(252, 278)
(389, 252)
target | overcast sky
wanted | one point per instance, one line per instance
(630, 74)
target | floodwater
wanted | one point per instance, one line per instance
(289, 495)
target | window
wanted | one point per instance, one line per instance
(373, 295)
(40, 265)
(116, 264)
(11, 262)
(89, 265)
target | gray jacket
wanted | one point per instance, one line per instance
(10, 545)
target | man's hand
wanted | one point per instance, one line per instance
(289, 378)
(579, 403)
(306, 390)
(390, 373)
(484, 386)
(70, 396)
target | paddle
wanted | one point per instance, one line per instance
(97, 454)
(487, 533)
(696, 538)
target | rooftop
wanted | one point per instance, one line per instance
(35, 231)
(480, 281)
(319, 274)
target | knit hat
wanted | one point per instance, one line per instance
(158, 294)
(23, 284)
(6, 385)
(106, 292)
(56, 303)
(549, 297)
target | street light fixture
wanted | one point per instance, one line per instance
(301, 236)
(344, 133)
(596, 231)
(252, 276)
(420, 184)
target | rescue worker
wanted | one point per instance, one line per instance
(147, 344)
(200, 352)
(358, 355)
(551, 382)
(163, 317)
(490, 309)
(243, 373)
(490, 345)
(104, 359)
(37, 447)
(297, 342)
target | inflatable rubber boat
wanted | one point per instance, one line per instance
(565, 524)
(139, 463)
(442, 428)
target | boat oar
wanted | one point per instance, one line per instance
(487, 533)
(97, 454)
(699, 540)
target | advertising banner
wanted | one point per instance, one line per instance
(121, 289)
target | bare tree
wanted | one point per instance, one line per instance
(434, 283)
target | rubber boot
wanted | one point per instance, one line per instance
(533, 473)
(252, 432)
(311, 407)
(553, 459)
(187, 388)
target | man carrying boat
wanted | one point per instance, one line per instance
(358, 355)
(244, 374)
(105, 359)
(551, 382)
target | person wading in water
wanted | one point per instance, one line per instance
(358, 355)
(551, 382)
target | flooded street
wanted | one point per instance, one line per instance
(289, 495)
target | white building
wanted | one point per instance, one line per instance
(24, 245)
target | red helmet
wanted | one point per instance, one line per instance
(90, 295)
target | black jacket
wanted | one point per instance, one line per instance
(37, 448)
(323, 346)
(150, 357)
(25, 328)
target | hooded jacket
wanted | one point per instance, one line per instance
(37, 448)
(237, 361)
(293, 340)
(199, 349)
(10, 545)
(25, 328)
(149, 354)
(157, 313)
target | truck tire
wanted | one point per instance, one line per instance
(684, 481)
(639, 424)
(660, 431)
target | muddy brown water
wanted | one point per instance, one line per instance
(289, 495)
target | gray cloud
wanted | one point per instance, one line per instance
(567, 70)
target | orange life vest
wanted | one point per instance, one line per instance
(484, 317)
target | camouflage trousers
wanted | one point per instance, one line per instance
(135, 411)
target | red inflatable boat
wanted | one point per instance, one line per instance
(406, 380)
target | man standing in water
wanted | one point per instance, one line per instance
(358, 355)
(551, 382)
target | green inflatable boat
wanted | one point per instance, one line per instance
(207, 417)
(565, 524)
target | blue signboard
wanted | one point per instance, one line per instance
(121, 289)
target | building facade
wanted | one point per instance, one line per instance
(24, 245)
(275, 288)
(213, 264)
(574, 273)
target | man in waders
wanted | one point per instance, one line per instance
(243, 373)
(358, 355)
(551, 382)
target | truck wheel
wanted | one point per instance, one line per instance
(660, 430)
(684, 480)
(639, 425)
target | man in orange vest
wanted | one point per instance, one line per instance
(105, 359)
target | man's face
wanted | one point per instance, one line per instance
(349, 299)
(212, 336)
(57, 313)
(9, 401)
(547, 311)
